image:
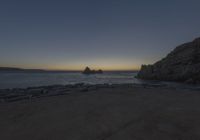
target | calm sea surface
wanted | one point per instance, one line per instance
(23, 80)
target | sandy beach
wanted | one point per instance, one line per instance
(102, 113)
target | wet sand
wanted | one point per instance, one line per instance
(101, 113)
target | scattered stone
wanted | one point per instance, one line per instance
(79, 85)
(17, 98)
(190, 81)
(84, 90)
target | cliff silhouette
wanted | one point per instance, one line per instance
(182, 64)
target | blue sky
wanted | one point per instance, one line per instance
(106, 34)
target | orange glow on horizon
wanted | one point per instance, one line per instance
(79, 68)
(104, 64)
(105, 68)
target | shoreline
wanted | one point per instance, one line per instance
(17, 94)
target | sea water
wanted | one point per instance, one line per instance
(24, 79)
(28, 79)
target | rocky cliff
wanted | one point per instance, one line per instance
(182, 64)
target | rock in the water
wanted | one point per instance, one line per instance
(99, 71)
(89, 71)
(182, 64)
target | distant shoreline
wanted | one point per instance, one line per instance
(13, 69)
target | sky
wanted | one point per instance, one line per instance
(106, 34)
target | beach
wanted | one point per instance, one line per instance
(100, 112)
(99, 70)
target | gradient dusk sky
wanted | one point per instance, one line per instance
(106, 34)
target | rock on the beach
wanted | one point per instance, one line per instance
(182, 64)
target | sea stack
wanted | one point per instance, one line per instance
(182, 64)
(89, 71)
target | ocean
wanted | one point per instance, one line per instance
(28, 79)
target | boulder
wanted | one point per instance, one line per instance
(99, 71)
(89, 71)
(182, 64)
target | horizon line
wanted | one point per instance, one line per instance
(23, 68)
